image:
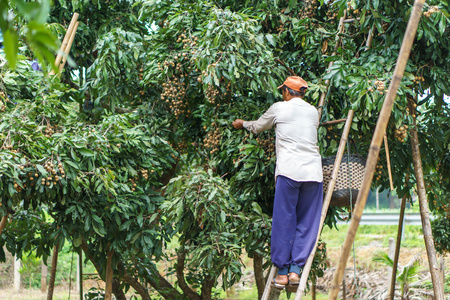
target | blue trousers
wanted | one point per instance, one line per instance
(295, 223)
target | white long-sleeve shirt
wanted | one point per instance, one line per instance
(296, 123)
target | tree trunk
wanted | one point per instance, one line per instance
(180, 276)
(259, 274)
(142, 291)
(109, 274)
(207, 288)
(133, 282)
(51, 284)
(377, 139)
(426, 225)
(397, 245)
(274, 294)
(44, 272)
(3, 223)
(120, 295)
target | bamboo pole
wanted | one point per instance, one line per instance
(109, 275)
(327, 82)
(388, 160)
(3, 223)
(272, 273)
(51, 284)
(69, 45)
(426, 225)
(397, 245)
(326, 203)
(374, 150)
(65, 41)
(80, 278)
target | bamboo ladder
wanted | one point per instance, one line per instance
(348, 121)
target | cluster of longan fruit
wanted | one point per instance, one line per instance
(49, 130)
(417, 79)
(378, 172)
(187, 41)
(10, 148)
(268, 145)
(212, 139)
(212, 94)
(431, 10)
(309, 9)
(380, 86)
(174, 92)
(401, 133)
(52, 173)
(174, 62)
(331, 14)
(144, 173)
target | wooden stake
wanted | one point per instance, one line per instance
(327, 82)
(65, 41)
(426, 225)
(397, 245)
(326, 202)
(69, 45)
(3, 223)
(272, 273)
(51, 284)
(388, 160)
(374, 150)
(109, 275)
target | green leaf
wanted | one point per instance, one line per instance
(42, 170)
(222, 216)
(86, 152)
(10, 40)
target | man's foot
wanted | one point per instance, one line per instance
(294, 278)
(281, 279)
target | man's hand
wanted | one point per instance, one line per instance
(238, 123)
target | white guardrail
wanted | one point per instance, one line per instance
(387, 219)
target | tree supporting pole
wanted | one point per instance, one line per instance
(374, 150)
(397, 245)
(272, 273)
(426, 225)
(80, 274)
(69, 45)
(109, 275)
(3, 223)
(326, 203)
(65, 41)
(51, 284)
(388, 162)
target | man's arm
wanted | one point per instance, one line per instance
(238, 123)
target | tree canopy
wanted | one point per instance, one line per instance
(133, 147)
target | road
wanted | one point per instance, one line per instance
(389, 219)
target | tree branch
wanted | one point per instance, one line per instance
(180, 275)
(284, 65)
(259, 274)
(162, 286)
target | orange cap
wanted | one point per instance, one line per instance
(295, 83)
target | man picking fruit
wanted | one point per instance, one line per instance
(298, 175)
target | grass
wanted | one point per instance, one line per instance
(369, 235)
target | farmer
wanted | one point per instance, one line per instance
(298, 176)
